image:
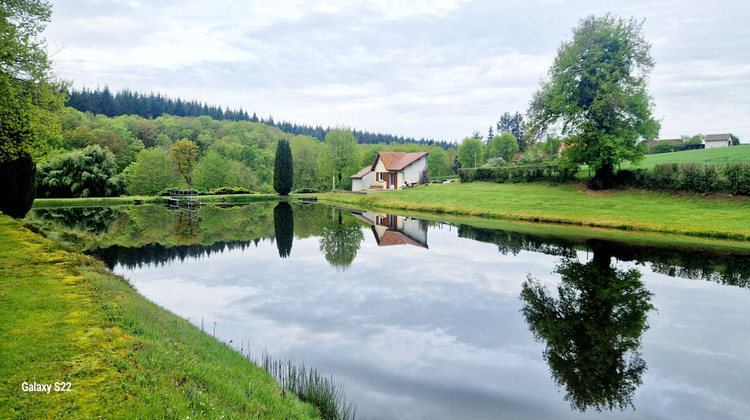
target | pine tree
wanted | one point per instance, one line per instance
(283, 171)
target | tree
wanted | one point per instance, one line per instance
(152, 172)
(283, 169)
(597, 89)
(185, 155)
(471, 153)
(82, 173)
(29, 98)
(513, 124)
(306, 155)
(340, 154)
(504, 146)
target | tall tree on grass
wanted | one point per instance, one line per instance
(597, 90)
(185, 156)
(283, 169)
(340, 154)
(29, 100)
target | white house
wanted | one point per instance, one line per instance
(390, 229)
(393, 171)
(718, 140)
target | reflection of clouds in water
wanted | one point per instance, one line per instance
(418, 333)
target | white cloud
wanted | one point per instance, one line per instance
(436, 69)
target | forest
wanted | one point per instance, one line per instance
(99, 155)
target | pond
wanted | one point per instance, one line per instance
(431, 320)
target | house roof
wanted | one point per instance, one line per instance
(366, 170)
(396, 161)
(394, 237)
(718, 137)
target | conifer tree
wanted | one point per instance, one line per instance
(283, 171)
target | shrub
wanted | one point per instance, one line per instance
(229, 191)
(306, 191)
(519, 173)
(18, 188)
(664, 175)
(81, 173)
(697, 177)
(738, 178)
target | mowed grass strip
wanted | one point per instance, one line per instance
(65, 318)
(717, 216)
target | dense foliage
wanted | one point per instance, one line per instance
(82, 173)
(597, 90)
(519, 173)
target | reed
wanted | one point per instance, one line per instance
(311, 386)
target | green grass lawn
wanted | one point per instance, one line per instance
(651, 211)
(64, 318)
(739, 153)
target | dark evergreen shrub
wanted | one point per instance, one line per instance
(18, 186)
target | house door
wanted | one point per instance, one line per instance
(393, 180)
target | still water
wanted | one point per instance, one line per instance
(430, 320)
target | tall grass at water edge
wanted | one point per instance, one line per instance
(310, 386)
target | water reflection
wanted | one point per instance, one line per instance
(340, 240)
(592, 330)
(391, 229)
(283, 228)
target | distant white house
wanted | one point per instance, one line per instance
(392, 171)
(718, 140)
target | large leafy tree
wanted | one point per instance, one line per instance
(340, 154)
(471, 153)
(504, 146)
(185, 155)
(597, 91)
(152, 172)
(29, 98)
(283, 169)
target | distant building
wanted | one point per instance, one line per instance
(392, 171)
(718, 140)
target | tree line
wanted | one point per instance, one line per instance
(153, 105)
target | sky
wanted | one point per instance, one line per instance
(425, 69)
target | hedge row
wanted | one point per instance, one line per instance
(520, 173)
(697, 177)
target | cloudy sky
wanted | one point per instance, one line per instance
(435, 69)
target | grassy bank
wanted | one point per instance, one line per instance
(649, 211)
(65, 319)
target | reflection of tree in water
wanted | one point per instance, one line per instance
(592, 330)
(93, 220)
(340, 241)
(283, 227)
(186, 230)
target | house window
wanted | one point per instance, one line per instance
(381, 176)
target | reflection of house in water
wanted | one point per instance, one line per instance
(390, 229)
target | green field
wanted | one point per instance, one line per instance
(720, 155)
(65, 319)
(717, 216)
